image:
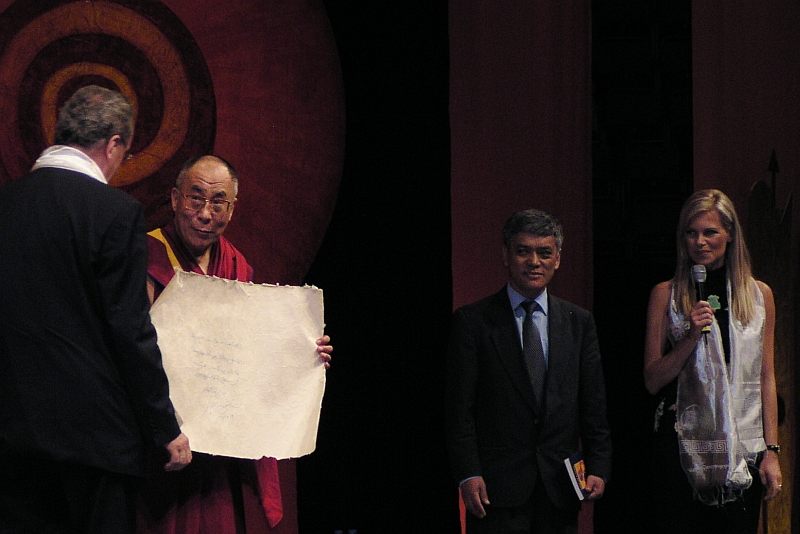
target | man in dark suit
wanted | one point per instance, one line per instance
(83, 395)
(522, 398)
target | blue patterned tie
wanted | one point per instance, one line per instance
(533, 352)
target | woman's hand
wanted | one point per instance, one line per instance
(770, 472)
(702, 316)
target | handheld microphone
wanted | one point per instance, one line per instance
(699, 276)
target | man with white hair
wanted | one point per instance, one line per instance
(83, 396)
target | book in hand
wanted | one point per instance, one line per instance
(576, 470)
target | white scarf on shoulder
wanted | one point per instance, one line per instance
(71, 159)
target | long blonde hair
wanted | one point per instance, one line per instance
(737, 258)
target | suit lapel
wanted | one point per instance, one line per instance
(505, 337)
(560, 341)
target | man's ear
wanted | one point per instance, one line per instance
(113, 142)
(174, 197)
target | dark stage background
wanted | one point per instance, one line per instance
(385, 268)
(641, 174)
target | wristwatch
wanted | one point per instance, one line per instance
(774, 447)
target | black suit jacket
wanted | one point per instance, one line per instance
(81, 379)
(494, 428)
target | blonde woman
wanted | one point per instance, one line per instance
(709, 360)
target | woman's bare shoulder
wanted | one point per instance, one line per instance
(661, 290)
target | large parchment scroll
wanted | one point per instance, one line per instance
(244, 374)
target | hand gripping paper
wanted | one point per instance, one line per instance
(244, 374)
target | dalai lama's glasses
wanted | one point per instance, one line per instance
(218, 206)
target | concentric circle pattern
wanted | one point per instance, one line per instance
(256, 81)
(49, 49)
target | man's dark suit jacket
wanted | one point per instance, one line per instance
(81, 379)
(493, 426)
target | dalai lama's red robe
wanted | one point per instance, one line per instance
(214, 493)
(226, 261)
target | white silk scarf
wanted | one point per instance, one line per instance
(719, 407)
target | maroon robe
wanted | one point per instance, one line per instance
(214, 493)
(226, 261)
